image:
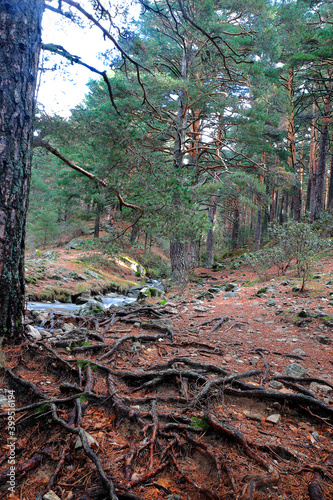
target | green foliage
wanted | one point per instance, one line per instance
(200, 423)
(83, 363)
(42, 408)
(293, 241)
(156, 267)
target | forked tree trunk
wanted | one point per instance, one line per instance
(20, 35)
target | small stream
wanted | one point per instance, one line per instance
(108, 300)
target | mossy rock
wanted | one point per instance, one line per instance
(75, 243)
(90, 308)
(138, 269)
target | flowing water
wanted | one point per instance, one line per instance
(108, 300)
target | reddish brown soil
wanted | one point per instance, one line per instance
(162, 441)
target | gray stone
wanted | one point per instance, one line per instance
(230, 294)
(93, 274)
(76, 276)
(299, 352)
(274, 419)
(150, 291)
(321, 388)
(324, 339)
(200, 309)
(274, 384)
(294, 370)
(68, 327)
(33, 332)
(315, 436)
(75, 243)
(271, 303)
(43, 316)
(81, 300)
(50, 495)
(231, 287)
(164, 323)
(91, 308)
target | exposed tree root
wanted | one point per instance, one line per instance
(182, 434)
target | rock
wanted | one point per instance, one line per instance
(46, 334)
(324, 339)
(274, 419)
(91, 273)
(299, 352)
(68, 327)
(33, 332)
(43, 316)
(75, 243)
(200, 309)
(81, 300)
(274, 384)
(321, 388)
(76, 276)
(134, 265)
(90, 440)
(230, 294)
(164, 324)
(253, 416)
(303, 314)
(231, 287)
(206, 295)
(328, 321)
(99, 298)
(172, 310)
(318, 313)
(296, 288)
(271, 303)
(50, 495)
(315, 436)
(150, 291)
(294, 370)
(91, 308)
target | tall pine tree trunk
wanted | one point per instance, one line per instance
(320, 187)
(311, 191)
(20, 36)
(330, 187)
(212, 211)
(297, 195)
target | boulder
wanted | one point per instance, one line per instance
(294, 370)
(75, 243)
(150, 291)
(90, 308)
(33, 333)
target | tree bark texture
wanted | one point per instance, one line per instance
(212, 212)
(320, 185)
(20, 41)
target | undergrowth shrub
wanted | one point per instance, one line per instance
(292, 241)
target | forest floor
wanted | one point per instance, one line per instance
(224, 390)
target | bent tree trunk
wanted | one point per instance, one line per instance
(20, 40)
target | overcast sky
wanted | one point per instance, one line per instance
(63, 89)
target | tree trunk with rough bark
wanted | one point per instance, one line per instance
(320, 185)
(20, 42)
(330, 187)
